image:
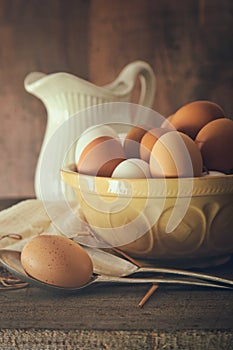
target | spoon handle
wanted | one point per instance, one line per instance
(201, 276)
(109, 279)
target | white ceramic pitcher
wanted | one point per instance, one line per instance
(64, 94)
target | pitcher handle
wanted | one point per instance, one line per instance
(147, 79)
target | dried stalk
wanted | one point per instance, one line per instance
(152, 289)
(7, 281)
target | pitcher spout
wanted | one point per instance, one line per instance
(32, 82)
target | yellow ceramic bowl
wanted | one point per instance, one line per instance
(139, 211)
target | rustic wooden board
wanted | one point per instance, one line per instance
(115, 308)
(54, 339)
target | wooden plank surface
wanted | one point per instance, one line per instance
(116, 307)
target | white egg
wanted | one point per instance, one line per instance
(91, 134)
(132, 168)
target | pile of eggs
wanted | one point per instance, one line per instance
(199, 128)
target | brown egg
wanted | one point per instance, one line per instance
(169, 156)
(101, 156)
(215, 141)
(190, 118)
(108, 168)
(133, 139)
(167, 124)
(148, 141)
(170, 117)
(57, 260)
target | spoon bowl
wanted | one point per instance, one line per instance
(11, 260)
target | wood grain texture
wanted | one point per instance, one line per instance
(54, 339)
(116, 308)
(46, 36)
(187, 43)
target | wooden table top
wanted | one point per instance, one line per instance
(171, 308)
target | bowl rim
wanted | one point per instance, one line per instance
(150, 187)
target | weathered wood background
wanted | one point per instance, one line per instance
(188, 43)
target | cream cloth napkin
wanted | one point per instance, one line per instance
(27, 218)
